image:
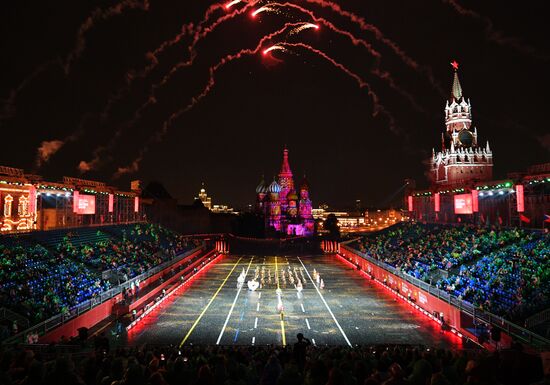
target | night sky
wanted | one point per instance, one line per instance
(55, 86)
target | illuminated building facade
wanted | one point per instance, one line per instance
(28, 202)
(461, 159)
(207, 202)
(204, 198)
(17, 201)
(285, 209)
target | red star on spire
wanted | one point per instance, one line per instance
(454, 63)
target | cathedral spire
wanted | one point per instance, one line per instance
(456, 92)
(285, 167)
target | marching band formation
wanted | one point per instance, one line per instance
(287, 277)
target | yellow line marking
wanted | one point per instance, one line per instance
(209, 303)
(233, 305)
(282, 313)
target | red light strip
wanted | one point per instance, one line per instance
(170, 293)
(413, 304)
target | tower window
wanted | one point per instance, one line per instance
(8, 201)
(23, 206)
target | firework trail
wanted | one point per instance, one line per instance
(152, 58)
(199, 34)
(134, 165)
(303, 27)
(273, 48)
(377, 107)
(270, 7)
(99, 15)
(8, 109)
(383, 75)
(390, 81)
(231, 3)
(186, 29)
(363, 25)
(99, 153)
(494, 35)
(262, 9)
(319, 20)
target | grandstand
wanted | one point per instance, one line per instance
(43, 274)
(502, 270)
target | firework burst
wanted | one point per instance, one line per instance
(303, 27)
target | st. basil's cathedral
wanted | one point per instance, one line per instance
(285, 209)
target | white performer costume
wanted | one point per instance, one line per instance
(299, 287)
(240, 280)
(253, 285)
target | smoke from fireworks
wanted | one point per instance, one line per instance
(134, 166)
(383, 75)
(270, 7)
(363, 25)
(97, 15)
(494, 35)
(200, 31)
(378, 108)
(48, 148)
(8, 109)
(198, 36)
(152, 57)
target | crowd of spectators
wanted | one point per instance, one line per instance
(500, 270)
(512, 281)
(38, 282)
(133, 250)
(270, 365)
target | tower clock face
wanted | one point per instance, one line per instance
(466, 138)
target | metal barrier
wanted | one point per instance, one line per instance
(13, 316)
(537, 319)
(57, 320)
(520, 333)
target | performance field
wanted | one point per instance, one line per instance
(335, 306)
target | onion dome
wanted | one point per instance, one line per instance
(274, 187)
(292, 196)
(262, 187)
